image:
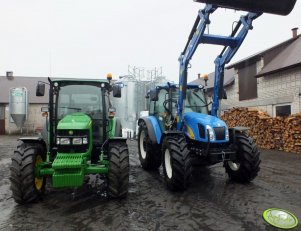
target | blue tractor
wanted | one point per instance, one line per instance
(180, 132)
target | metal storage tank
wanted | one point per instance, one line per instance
(18, 105)
(126, 106)
(132, 100)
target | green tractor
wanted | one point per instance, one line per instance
(82, 141)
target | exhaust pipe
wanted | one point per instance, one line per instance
(280, 7)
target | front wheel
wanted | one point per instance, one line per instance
(118, 176)
(246, 167)
(177, 166)
(25, 185)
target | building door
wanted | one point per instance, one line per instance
(2, 119)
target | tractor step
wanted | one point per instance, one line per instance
(280, 7)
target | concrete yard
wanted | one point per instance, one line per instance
(212, 202)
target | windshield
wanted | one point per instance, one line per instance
(196, 101)
(79, 98)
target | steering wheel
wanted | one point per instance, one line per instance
(166, 102)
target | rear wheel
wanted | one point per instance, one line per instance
(118, 176)
(246, 167)
(149, 154)
(177, 166)
(25, 185)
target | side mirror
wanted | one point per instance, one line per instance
(40, 90)
(153, 95)
(117, 91)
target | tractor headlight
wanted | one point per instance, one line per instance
(64, 141)
(77, 141)
(227, 134)
(85, 140)
(211, 132)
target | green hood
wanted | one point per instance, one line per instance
(75, 121)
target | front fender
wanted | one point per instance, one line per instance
(34, 139)
(236, 130)
(153, 128)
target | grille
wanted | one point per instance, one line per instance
(219, 133)
(202, 132)
(73, 148)
(76, 133)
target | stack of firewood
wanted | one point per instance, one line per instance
(292, 134)
(280, 133)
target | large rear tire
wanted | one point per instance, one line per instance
(118, 176)
(177, 166)
(149, 154)
(25, 185)
(246, 167)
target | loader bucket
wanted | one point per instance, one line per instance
(281, 7)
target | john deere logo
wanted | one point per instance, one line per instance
(280, 218)
(70, 132)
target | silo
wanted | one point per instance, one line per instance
(18, 105)
(126, 105)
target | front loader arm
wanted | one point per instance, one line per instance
(227, 54)
(230, 43)
(194, 39)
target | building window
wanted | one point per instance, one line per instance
(283, 110)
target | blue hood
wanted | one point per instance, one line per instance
(198, 118)
(193, 119)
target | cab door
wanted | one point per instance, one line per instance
(159, 109)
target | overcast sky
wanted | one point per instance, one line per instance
(77, 38)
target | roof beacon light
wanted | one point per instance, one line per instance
(205, 77)
(109, 76)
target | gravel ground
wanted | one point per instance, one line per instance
(212, 202)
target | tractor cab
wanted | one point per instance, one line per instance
(163, 103)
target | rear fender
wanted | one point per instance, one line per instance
(153, 128)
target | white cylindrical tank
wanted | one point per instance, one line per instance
(126, 106)
(132, 99)
(18, 105)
